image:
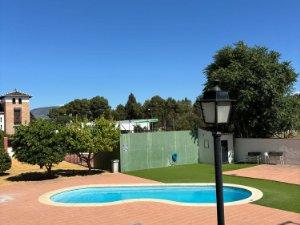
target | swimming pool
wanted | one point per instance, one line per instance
(183, 194)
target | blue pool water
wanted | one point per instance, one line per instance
(182, 194)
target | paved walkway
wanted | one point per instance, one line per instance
(25, 209)
(283, 173)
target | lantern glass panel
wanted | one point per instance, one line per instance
(208, 110)
(223, 110)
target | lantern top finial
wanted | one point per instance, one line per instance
(215, 94)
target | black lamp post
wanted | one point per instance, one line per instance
(151, 126)
(216, 106)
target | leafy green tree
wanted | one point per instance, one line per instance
(139, 129)
(79, 109)
(155, 108)
(5, 161)
(198, 120)
(133, 108)
(260, 82)
(74, 110)
(185, 116)
(197, 106)
(171, 114)
(87, 139)
(171, 111)
(288, 121)
(99, 107)
(39, 143)
(119, 113)
(59, 115)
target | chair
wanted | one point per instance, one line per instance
(278, 154)
(266, 158)
(255, 155)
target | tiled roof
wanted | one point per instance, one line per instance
(15, 93)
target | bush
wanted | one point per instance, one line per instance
(1, 139)
(5, 161)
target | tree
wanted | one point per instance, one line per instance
(260, 83)
(87, 139)
(133, 108)
(74, 110)
(288, 121)
(59, 115)
(198, 120)
(171, 114)
(171, 110)
(155, 108)
(185, 115)
(119, 113)
(79, 109)
(197, 107)
(39, 143)
(5, 161)
(139, 129)
(99, 107)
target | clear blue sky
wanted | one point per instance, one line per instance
(58, 50)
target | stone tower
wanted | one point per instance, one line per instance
(16, 110)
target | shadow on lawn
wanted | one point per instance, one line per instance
(40, 176)
(4, 174)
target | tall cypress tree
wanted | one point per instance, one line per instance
(133, 108)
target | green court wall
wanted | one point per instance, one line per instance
(154, 149)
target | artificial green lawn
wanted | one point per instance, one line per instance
(276, 194)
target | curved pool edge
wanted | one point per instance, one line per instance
(46, 198)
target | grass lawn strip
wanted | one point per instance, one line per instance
(276, 194)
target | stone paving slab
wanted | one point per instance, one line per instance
(282, 173)
(25, 209)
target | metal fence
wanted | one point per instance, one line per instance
(152, 150)
(73, 158)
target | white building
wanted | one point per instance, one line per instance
(129, 125)
(14, 111)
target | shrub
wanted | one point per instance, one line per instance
(5, 161)
(1, 139)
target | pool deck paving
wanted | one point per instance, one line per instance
(21, 206)
(282, 173)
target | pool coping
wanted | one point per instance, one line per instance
(46, 198)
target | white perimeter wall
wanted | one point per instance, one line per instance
(290, 148)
